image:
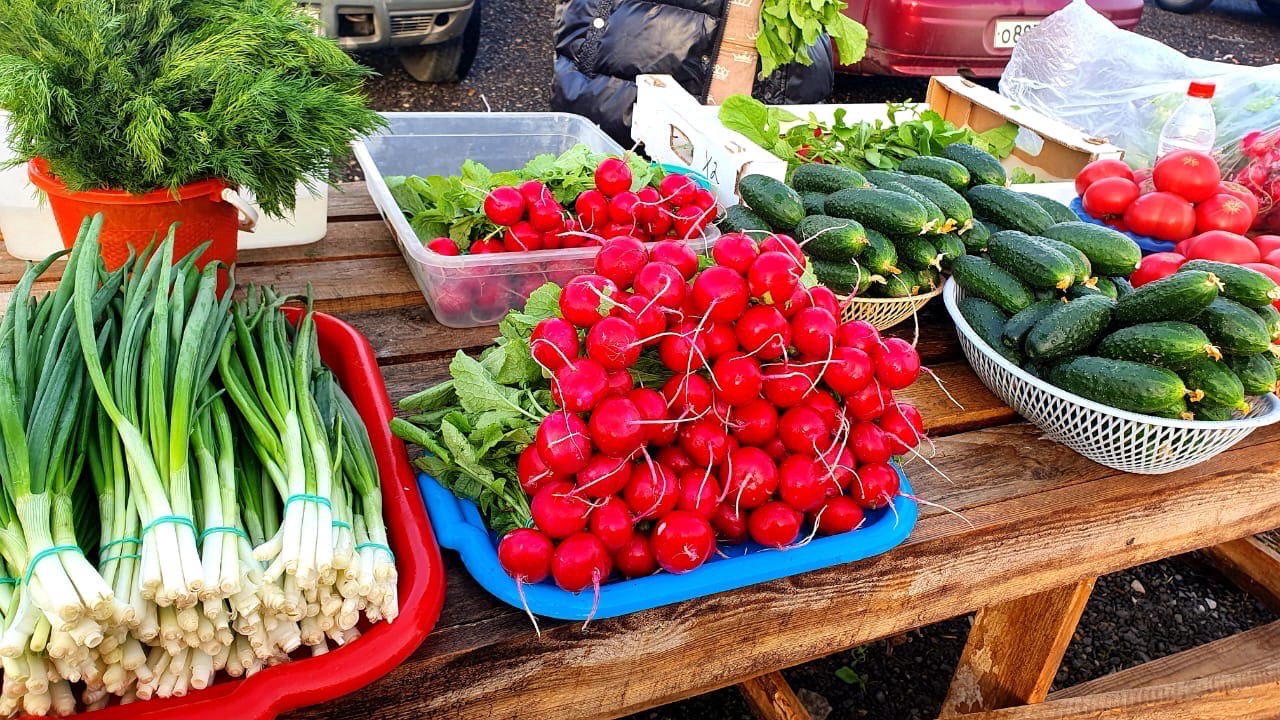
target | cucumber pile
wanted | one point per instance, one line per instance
(1193, 345)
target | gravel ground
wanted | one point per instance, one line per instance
(1133, 616)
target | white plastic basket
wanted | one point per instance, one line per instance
(1122, 440)
(884, 313)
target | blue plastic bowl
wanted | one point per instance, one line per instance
(458, 527)
(698, 177)
(1149, 245)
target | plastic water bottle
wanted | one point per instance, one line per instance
(1192, 126)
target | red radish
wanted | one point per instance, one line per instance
(897, 363)
(682, 541)
(444, 246)
(690, 221)
(802, 482)
(719, 294)
(788, 384)
(773, 277)
(730, 523)
(563, 443)
(775, 450)
(704, 199)
(822, 297)
(583, 300)
(839, 463)
(484, 247)
(612, 176)
(546, 215)
(719, 339)
(592, 208)
(653, 406)
(1109, 196)
(647, 318)
(522, 237)
(525, 554)
(615, 427)
(553, 240)
(749, 477)
(704, 441)
(532, 472)
(614, 343)
(687, 394)
(612, 523)
(557, 512)
(755, 423)
(870, 444)
(799, 301)
(826, 407)
(580, 561)
(677, 189)
(859, 334)
(803, 431)
(868, 403)
(619, 259)
(649, 205)
(899, 430)
(622, 208)
(1267, 244)
(739, 378)
(661, 225)
(1192, 175)
(837, 515)
(533, 190)
(775, 524)
(1099, 169)
(813, 332)
(504, 206)
(1223, 212)
(652, 490)
(579, 385)
(603, 476)
(849, 371)
(685, 350)
(1156, 266)
(675, 458)
(876, 487)
(635, 558)
(777, 242)
(677, 254)
(764, 332)
(699, 492)
(620, 383)
(661, 283)
(735, 251)
(1222, 246)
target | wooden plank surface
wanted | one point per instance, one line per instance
(770, 697)
(1252, 650)
(1251, 564)
(1014, 649)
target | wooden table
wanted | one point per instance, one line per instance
(1039, 523)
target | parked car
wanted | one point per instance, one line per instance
(1268, 7)
(944, 37)
(436, 39)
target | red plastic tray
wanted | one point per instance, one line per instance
(309, 681)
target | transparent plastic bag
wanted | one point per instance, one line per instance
(1080, 68)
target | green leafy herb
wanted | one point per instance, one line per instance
(788, 28)
(1020, 176)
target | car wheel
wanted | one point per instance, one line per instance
(1183, 6)
(446, 62)
(1269, 7)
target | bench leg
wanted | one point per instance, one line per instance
(770, 697)
(1014, 650)
(1252, 565)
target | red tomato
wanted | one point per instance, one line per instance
(1143, 179)
(1223, 247)
(1192, 175)
(1156, 266)
(1245, 194)
(1223, 212)
(1099, 169)
(1267, 243)
(1109, 196)
(1273, 257)
(1181, 248)
(1161, 215)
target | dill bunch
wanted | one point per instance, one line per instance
(137, 95)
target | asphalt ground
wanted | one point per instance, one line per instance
(1132, 617)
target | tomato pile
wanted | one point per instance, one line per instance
(1182, 196)
(528, 216)
(1261, 253)
(777, 420)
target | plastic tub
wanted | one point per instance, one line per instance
(308, 222)
(474, 290)
(313, 680)
(459, 527)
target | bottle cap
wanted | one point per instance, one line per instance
(1201, 90)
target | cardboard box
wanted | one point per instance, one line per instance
(675, 128)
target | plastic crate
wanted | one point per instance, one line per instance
(383, 646)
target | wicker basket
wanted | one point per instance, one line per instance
(1122, 440)
(884, 313)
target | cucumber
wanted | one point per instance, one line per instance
(845, 278)
(1016, 329)
(1107, 286)
(1057, 211)
(976, 238)
(1109, 251)
(1122, 285)
(1008, 208)
(740, 218)
(1080, 290)
(952, 203)
(1244, 285)
(1234, 328)
(1033, 262)
(881, 256)
(829, 238)
(884, 210)
(1256, 373)
(880, 178)
(917, 252)
(929, 279)
(1176, 411)
(826, 179)
(982, 278)
(1120, 384)
(1070, 328)
(813, 202)
(955, 175)
(983, 167)
(988, 323)
(1042, 294)
(779, 205)
(950, 247)
(1271, 318)
(1180, 296)
(1213, 413)
(1212, 382)
(1169, 344)
(937, 219)
(904, 284)
(1100, 286)
(1080, 261)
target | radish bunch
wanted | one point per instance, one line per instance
(776, 422)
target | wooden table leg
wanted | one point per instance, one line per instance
(1252, 565)
(770, 697)
(1014, 650)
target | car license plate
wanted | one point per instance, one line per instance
(1008, 32)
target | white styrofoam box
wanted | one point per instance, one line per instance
(1063, 192)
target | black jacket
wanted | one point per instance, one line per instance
(601, 45)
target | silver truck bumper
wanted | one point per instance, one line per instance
(376, 24)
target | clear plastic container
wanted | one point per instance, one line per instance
(1192, 126)
(475, 290)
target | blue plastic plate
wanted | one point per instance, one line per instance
(458, 527)
(1149, 245)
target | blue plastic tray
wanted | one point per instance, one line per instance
(458, 527)
(1149, 245)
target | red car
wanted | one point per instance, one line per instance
(946, 37)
